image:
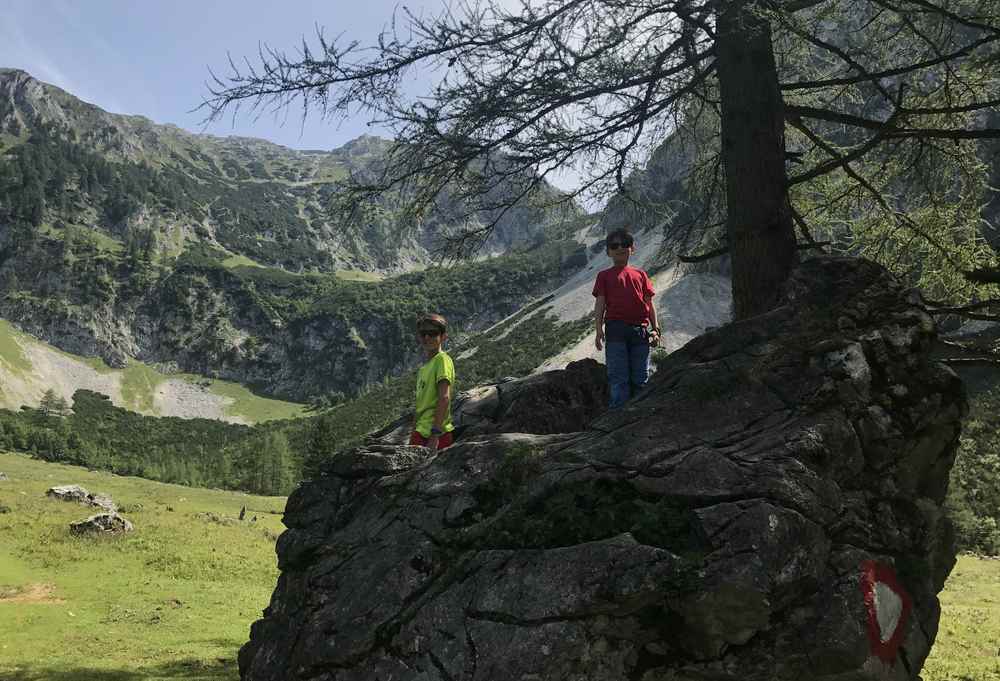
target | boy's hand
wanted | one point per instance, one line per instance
(599, 339)
(654, 338)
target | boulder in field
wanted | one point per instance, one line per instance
(770, 508)
(102, 523)
(3, 477)
(82, 496)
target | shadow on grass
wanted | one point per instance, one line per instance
(185, 670)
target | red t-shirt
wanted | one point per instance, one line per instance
(625, 290)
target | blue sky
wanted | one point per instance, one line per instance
(152, 57)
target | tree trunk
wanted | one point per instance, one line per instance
(759, 220)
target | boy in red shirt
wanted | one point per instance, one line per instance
(623, 308)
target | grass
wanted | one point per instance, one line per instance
(139, 384)
(98, 239)
(172, 600)
(8, 141)
(241, 261)
(254, 408)
(175, 599)
(359, 275)
(968, 641)
(330, 173)
(96, 363)
(11, 353)
(101, 240)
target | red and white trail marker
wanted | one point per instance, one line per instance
(888, 607)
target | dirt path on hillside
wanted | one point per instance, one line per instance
(32, 593)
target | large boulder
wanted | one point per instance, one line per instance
(80, 495)
(770, 507)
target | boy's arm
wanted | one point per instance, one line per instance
(654, 323)
(444, 397)
(599, 307)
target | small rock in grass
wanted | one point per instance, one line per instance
(3, 477)
(4, 509)
(81, 495)
(102, 523)
(210, 517)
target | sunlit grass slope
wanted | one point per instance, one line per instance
(172, 600)
(968, 640)
(253, 408)
(138, 387)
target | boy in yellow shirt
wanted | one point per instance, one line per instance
(432, 424)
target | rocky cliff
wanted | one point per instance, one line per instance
(769, 508)
(293, 336)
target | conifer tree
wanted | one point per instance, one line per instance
(524, 88)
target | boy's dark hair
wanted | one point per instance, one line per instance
(622, 235)
(434, 320)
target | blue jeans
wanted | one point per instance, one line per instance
(626, 352)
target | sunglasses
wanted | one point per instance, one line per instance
(615, 245)
(428, 333)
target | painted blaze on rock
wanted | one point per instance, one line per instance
(716, 527)
(888, 605)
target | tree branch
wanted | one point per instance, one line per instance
(704, 256)
(886, 128)
(889, 73)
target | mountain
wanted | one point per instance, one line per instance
(227, 257)
(71, 162)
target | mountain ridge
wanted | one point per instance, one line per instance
(296, 188)
(128, 240)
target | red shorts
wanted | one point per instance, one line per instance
(445, 440)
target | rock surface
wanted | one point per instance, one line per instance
(82, 496)
(3, 477)
(769, 508)
(102, 523)
(553, 402)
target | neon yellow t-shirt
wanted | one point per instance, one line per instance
(438, 368)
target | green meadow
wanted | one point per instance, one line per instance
(967, 647)
(11, 353)
(172, 600)
(249, 406)
(175, 599)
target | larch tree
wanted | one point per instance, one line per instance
(815, 113)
